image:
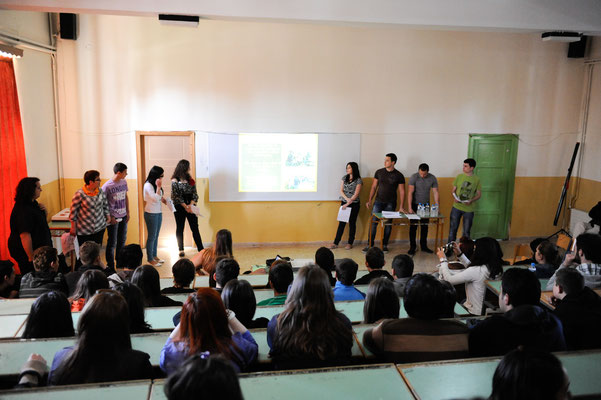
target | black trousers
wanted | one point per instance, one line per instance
(352, 222)
(180, 222)
(423, 223)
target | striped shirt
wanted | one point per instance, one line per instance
(89, 212)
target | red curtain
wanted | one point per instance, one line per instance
(13, 166)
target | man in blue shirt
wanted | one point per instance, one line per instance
(346, 272)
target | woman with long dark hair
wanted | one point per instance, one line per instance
(102, 352)
(350, 188)
(206, 261)
(206, 326)
(381, 301)
(87, 285)
(135, 302)
(153, 215)
(49, 317)
(28, 227)
(486, 263)
(146, 277)
(310, 332)
(184, 195)
(238, 296)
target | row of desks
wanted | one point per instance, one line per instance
(433, 380)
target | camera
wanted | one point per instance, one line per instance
(448, 249)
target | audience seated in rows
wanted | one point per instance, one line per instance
(135, 303)
(381, 301)
(147, 278)
(402, 270)
(547, 259)
(423, 336)
(280, 278)
(586, 260)
(130, 258)
(524, 321)
(8, 289)
(486, 263)
(49, 317)
(239, 297)
(204, 377)
(183, 276)
(579, 309)
(45, 277)
(89, 254)
(310, 332)
(89, 282)
(324, 259)
(206, 326)
(374, 261)
(102, 352)
(227, 269)
(346, 273)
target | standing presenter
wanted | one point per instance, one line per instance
(350, 188)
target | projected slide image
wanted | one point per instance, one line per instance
(277, 162)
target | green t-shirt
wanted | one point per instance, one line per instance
(467, 186)
(274, 301)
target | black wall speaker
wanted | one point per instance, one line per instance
(577, 49)
(68, 26)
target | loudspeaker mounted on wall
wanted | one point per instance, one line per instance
(68, 26)
(577, 49)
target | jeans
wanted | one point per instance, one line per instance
(423, 226)
(153, 225)
(355, 207)
(379, 207)
(117, 234)
(180, 222)
(468, 218)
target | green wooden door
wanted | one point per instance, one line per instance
(495, 157)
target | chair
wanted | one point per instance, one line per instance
(521, 252)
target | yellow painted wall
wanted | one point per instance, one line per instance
(50, 198)
(589, 193)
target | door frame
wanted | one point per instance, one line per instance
(140, 157)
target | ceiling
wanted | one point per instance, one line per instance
(480, 15)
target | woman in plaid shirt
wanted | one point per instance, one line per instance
(89, 210)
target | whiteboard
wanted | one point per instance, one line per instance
(335, 150)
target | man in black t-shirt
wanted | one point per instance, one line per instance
(388, 181)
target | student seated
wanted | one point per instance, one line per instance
(486, 263)
(310, 332)
(402, 270)
(239, 297)
(533, 245)
(49, 317)
(89, 282)
(579, 309)
(524, 322)
(183, 276)
(203, 377)
(135, 304)
(226, 270)
(525, 374)
(423, 336)
(147, 279)
(280, 278)
(324, 259)
(346, 272)
(8, 288)
(381, 301)
(547, 259)
(205, 262)
(45, 277)
(130, 258)
(586, 260)
(89, 254)
(374, 261)
(102, 352)
(207, 326)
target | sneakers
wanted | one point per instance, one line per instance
(412, 251)
(348, 247)
(159, 260)
(385, 249)
(427, 250)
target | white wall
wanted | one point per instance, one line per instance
(418, 93)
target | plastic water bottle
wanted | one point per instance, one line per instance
(532, 267)
(434, 211)
(420, 210)
(427, 210)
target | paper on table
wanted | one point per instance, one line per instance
(412, 216)
(391, 214)
(458, 199)
(195, 210)
(171, 205)
(344, 214)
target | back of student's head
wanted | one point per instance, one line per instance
(381, 301)
(346, 271)
(135, 303)
(281, 276)
(570, 280)
(449, 300)
(402, 265)
(223, 243)
(324, 258)
(238, 296)
(89, 252)
(6, 270)
(374, 258)
(535, 242)
(226, 270)
(488, 252)
(521, 286)
(425, 297)
(49, 317)
(204, 377)
(549, 252)
(130, 256)
(183, 272)
(43, 257)
(146, 277)
(590, 244)
(89, 282)
(529, 375)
